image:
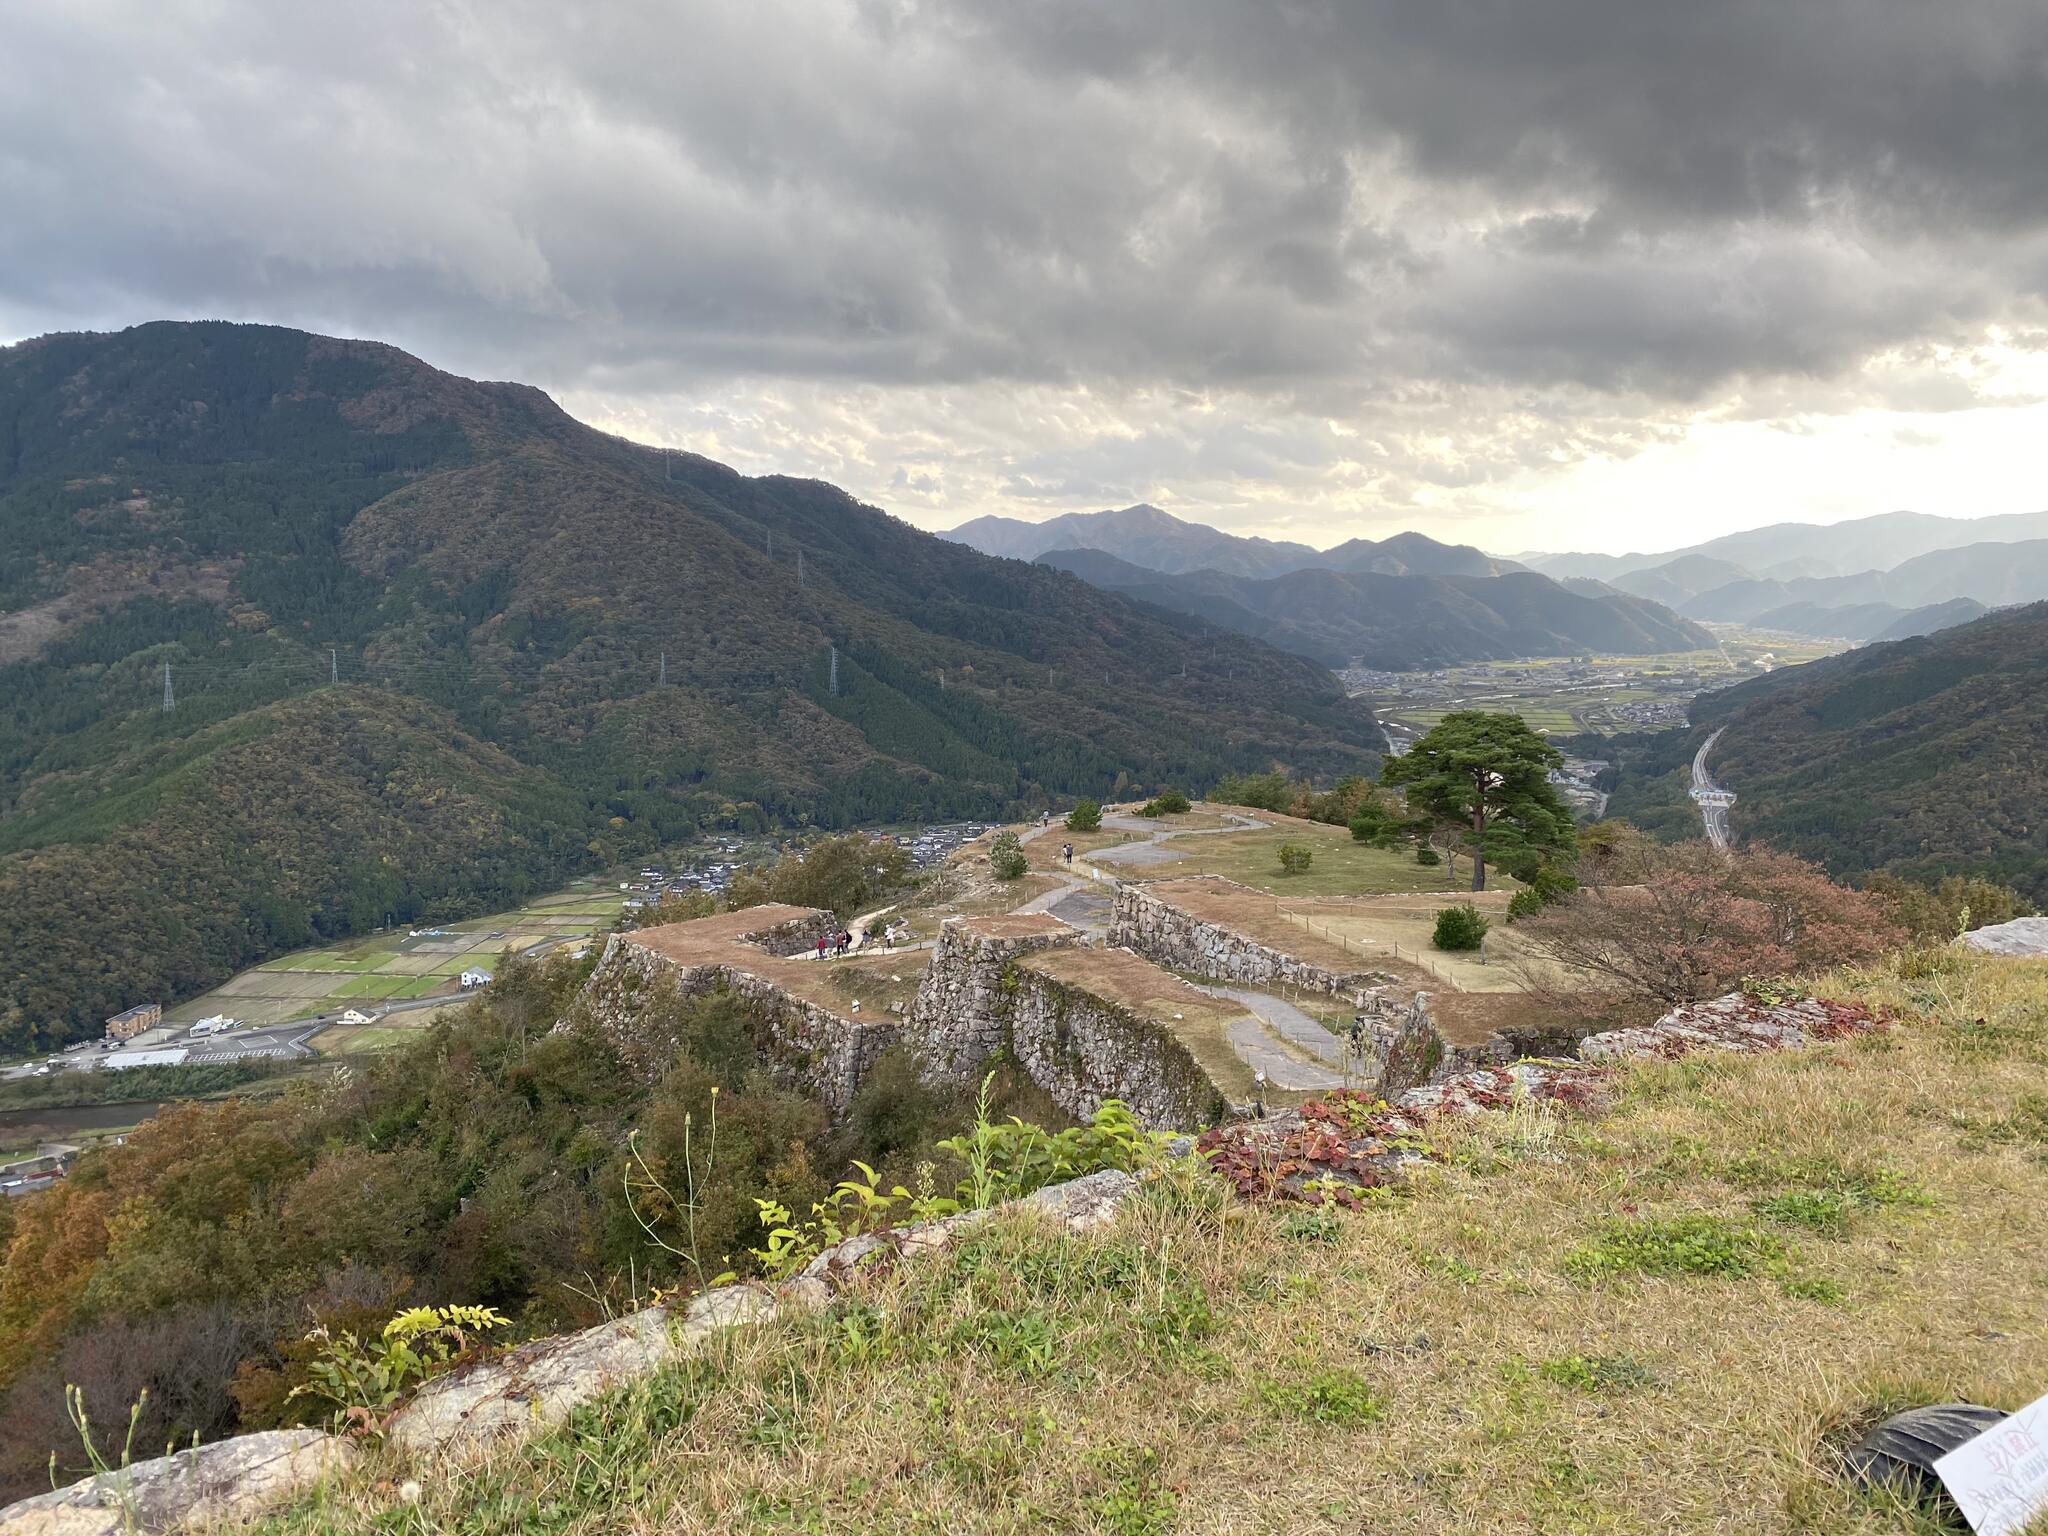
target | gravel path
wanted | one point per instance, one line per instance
(1288, 1022)
(1249, 1038)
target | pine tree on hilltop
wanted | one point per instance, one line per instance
(1489, 775)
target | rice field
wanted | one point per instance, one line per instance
(398, 966)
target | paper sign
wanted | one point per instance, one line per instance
(2000, 1479)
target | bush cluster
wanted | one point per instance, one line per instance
(1460, 928)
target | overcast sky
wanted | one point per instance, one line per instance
(1599, 274)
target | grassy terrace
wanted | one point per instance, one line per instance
(1656, 1320)
(1341, 866)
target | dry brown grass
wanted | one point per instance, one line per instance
(1210, 1368)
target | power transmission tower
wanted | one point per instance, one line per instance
(170, 702)
(832, 683)
(668, 465)
(661, 678)
(799, 567)
(333, 664)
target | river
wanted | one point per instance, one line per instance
(49, 1122)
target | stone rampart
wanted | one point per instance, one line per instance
(982, 997)
(960, 1016)
(1178, 940)
(819, 1051)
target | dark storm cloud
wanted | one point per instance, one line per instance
(1335, 203)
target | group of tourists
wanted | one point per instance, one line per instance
(839, 943)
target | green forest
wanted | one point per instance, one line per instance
(431, 645)
(1924, 758)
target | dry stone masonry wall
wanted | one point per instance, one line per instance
(1180, 941)
(1082, 1049)
(961, 1015)
(822, 1052)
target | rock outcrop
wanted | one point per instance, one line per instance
(230, 1479)
(535, 1386)
(2021, 936)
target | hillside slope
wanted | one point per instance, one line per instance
(1404, 621)
(650, 644)
(1926, 756)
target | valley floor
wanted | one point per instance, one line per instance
(1660, 1318)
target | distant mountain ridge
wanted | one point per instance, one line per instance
(1403, 622)
(1158, 541)
(1898, 574)
(1836, 549)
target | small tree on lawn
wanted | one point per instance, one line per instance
(1006, 857)
(1295, 858)
(1458, 928)
(1086, 816)
(1488, 775)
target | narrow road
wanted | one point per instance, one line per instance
(1711, 798)
(1258, 1040)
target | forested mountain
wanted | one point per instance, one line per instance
(1676, 582)
(1926, 756)
(1157, 541)
(1404, 621)
(1990, 574)
(1143, 535)
(1863, 622)
(431, 642)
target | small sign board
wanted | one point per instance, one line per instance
(1999, 1480)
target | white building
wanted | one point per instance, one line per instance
(472, 979)
(122, 1060)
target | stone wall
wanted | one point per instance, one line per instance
(796, 936)
(960, 1016)
(981, 998)
(1176, 939)
(1082, 1048)
(810, 1047)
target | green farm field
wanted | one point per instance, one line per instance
(395, 966)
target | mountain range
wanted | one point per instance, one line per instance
(1925, 756)
(1158, 541)
(299, 636)
(1402, 622)
(1789, 551)
(1884, 577)
(1401, 603)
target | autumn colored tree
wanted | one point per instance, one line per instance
(1489, 776)
(1701, 920)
